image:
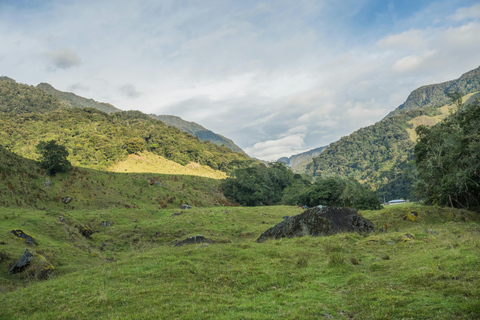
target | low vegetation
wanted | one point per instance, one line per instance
(25, 183)
(148, 162)
(103, 243)
(131, 270)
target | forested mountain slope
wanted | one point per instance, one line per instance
(20, 98)
(436, 94)
(197, 130)
(74, 101)
(94, 138)
(379, 155)
(298, 162)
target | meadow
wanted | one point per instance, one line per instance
(132, 270)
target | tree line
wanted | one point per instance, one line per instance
(447, 158)
(275, 184)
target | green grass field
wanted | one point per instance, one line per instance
(131, 270)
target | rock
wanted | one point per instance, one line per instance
(19, 233)
(84, 231)
(47, 183)
(21, 264)
(185, 206)
(177, 214)
(61, 218)
(319, 222)
(66, 200)
(390, 242)
(105, 223)
(195, 239)
(285, 217)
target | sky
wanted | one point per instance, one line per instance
(277, 77)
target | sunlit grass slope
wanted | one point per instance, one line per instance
(23, 183)
(445, 110)
(130, 270)
(149, 162)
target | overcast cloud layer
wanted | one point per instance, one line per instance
(276, 77)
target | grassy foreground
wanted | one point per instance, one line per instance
(130, 270)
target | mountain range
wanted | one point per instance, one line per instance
(380, 155)
(94, 138)
(75, 101)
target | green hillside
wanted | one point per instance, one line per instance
(93, 138)
(20, 98)
(23, 183)
(109, 252)
(377, 155)
(197, 130)
(435, 95)
(381, 155)
(74, 101)
(131, 270)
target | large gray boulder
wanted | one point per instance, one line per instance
(319, 221)
(21, 264)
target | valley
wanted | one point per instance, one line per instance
(104, 232)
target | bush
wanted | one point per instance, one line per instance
(53, 157)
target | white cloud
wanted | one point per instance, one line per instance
(412, 62)
(406, 40)
(277, 77)
(467, 13)
(274, 149)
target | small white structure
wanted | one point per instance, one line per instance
(396, 201)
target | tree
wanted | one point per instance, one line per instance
(456, 98)
(133, 145)
(448, 160)
(53, 157)
(258, 185)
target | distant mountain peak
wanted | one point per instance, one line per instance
(436, 94)
(74, 101)
(298, 162)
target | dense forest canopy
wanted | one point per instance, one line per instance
(276, 184)
(94, 138)
(377, 155)
(448, 160)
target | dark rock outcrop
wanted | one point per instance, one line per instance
(19, 233)
(317, 221)
(84, 231)
(21, 264)
(194, 239)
